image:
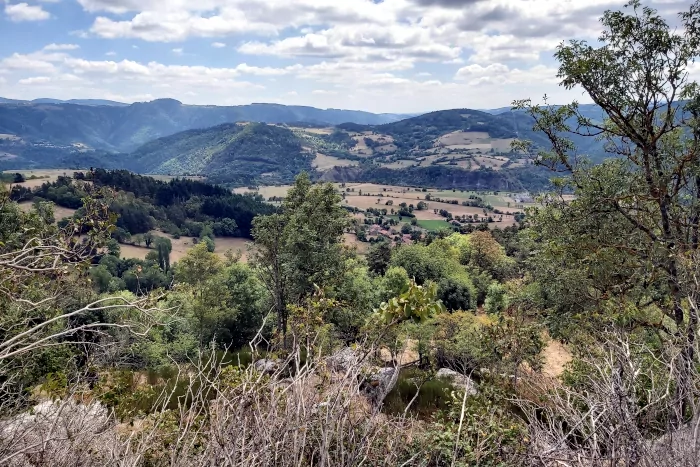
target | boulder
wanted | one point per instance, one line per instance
(344, 359)
(458, 380)
(379, 384)
(267, 366)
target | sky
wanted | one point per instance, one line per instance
(396, 56)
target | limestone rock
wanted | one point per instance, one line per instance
(265, 365)
(459, 380)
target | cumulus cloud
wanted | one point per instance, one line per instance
(390, 55)
(25, 12)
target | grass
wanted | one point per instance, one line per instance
(433, 224)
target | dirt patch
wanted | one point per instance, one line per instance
(556, 357)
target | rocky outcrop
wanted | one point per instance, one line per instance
(267, 366)
(459, 380)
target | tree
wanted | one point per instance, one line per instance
(632, 233)
(378, 258)
(302, 247)
(148, 238)
(164, 246)
(199, 269)
(113, 247)
(18, 178)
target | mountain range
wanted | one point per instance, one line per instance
(271, 143)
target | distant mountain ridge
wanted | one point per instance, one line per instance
(124, 128)
(270, 144)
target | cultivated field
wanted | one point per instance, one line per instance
(183, 244)
(167, 178)
(59, 212)
(43, 176)
(324, 162)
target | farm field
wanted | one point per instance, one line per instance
(380, 194)
(183, 244)
(433, 224)
(43, 176)
(59, 212)
(324, 162)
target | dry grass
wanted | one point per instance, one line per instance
(400, 164)
(491, 161)
(463, 138)
(266, 191)
(324, 162)
(350, 239)
(47, 175)
(556, 357)
(167, 178)
(59, 212)
(183, 244)
(313, 131)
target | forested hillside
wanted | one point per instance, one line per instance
(124, 128)
(448, 149)
(234, 154)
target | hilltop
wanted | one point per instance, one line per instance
(459, 148)
(265, 144)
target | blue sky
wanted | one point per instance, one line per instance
(380, 56)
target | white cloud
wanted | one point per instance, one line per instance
(62, 47)
(35, 80)
(111, 53)
(25, 12)
(390, 55)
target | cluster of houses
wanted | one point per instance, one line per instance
(377, 232)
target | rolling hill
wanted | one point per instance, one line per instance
(458, 148)
(446, 149)
(124, 128)
(237, 154)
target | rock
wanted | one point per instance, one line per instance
(459, 380)
(343, 360)
(379, 384)
(267, 366)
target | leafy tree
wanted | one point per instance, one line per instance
(148, 238)
(199, 269)
(631, 236)
(378, 257)
(163, 246)
(209, 242)
(113, 247)
(303, 246)
(18, 178)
